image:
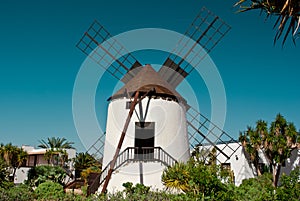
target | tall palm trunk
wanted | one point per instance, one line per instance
(257, 168)
(276, 174)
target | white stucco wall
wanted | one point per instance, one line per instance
(22, 172)
(21, 175)
(170, 135)
(238, 162)
(131, 172)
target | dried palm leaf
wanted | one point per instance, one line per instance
(285, 10)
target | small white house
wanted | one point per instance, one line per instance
(242, 169)
(36, 157)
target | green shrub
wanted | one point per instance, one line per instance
(289, 188)
(255, 189)
(21, 193)
(7, 184)
(17, 193)
(196, 179)
(138, 188)
(4, 195)
(49, 191)
(3, 171)
(43, 173)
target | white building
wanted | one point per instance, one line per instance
(242, 169)
(36, 157)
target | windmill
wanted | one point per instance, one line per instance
(149, 124)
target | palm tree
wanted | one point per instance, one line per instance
(58, 143)
(56, 149)
(177, 177)
(200, 154)
(84, 161)
(279, 147)
(251, 142)
(3, 171)
(276, 143)
(13, 156)
(287, 12)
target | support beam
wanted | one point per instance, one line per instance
(113, 162)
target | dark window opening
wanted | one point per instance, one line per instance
(128, 104)
(144, 140)
(226, 166)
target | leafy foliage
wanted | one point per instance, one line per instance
(17, 193)
(196, 178)
(289, 188)
(56, 150)
(276, 142)
(138, 188)
(85, 174)
(255, 189)
(3, 171)
(54, 142)
(13, 156)
(287, 12)
(84, 161)
(43, 173)
(143, 193)
(177, 177)
(49, 191)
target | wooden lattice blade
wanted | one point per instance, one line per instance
(205, 134)
(108, 53)
(207, 30)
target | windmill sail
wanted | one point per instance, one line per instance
(206, 30)
(205, 134)
(107, 52)
(97, 148)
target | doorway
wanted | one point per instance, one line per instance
(144, 140)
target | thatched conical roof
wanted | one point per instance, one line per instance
(147, 79)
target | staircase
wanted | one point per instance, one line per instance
(135, 154)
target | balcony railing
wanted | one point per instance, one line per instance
(136, 154)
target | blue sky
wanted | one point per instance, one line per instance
(39, 62)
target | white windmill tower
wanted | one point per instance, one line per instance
(149, 124)
(156, 134)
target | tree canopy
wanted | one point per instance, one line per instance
(13, 156)
(56, 142)
(275, 142)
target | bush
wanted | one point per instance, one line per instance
(289, 188)
(17, 193)
(21, 193)
(3, 171)
(49, 191)
(260, 188)
(43, 173)
(138, 188)
(4, 195)
(196, 179)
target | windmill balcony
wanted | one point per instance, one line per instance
(140, 154)
(143, 154)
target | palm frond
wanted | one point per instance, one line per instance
(288, 10)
